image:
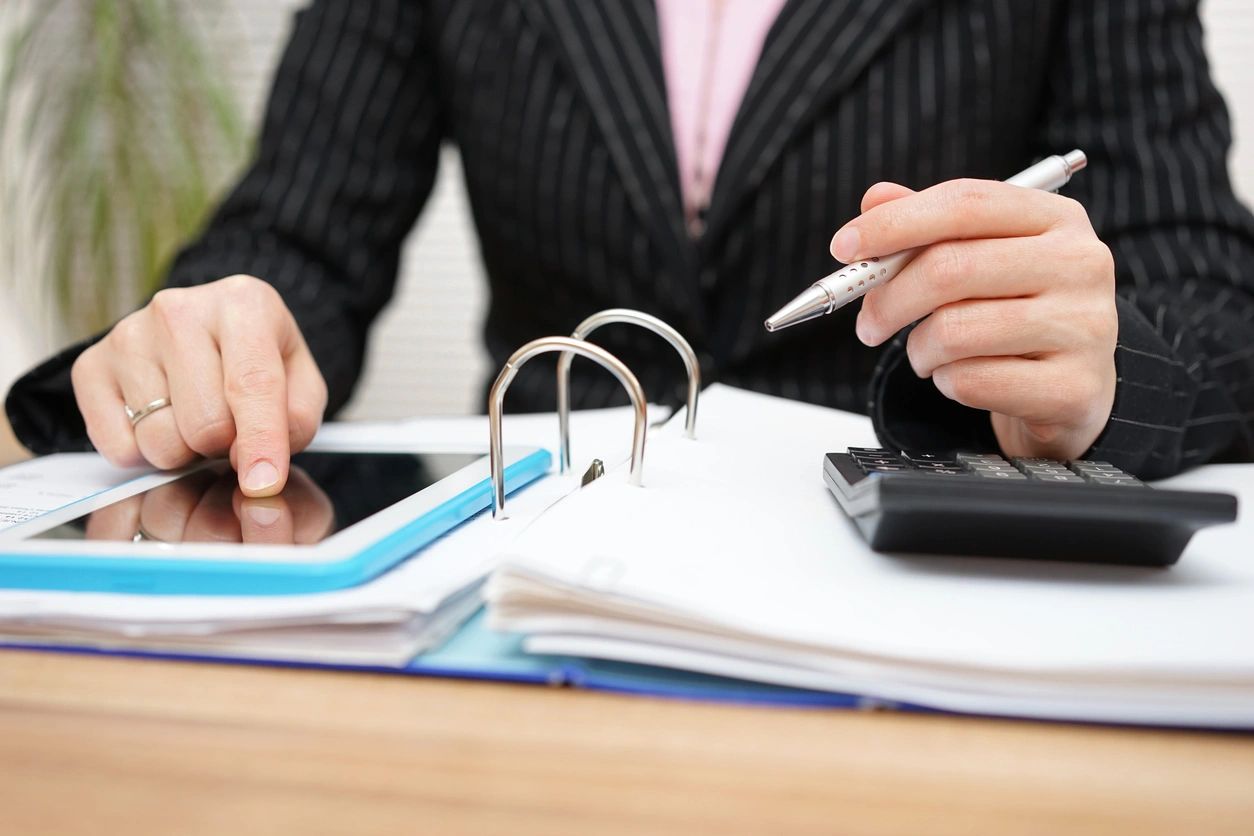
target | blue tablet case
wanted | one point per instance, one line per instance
(192, 576)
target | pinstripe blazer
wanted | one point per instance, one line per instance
(559, 110)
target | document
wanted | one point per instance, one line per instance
(738, 562)
(35, 487)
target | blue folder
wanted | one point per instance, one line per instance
(475, 652)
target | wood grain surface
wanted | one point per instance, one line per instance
(106, 745)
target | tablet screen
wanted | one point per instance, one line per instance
(325, 493)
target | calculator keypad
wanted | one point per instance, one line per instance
(991, 467)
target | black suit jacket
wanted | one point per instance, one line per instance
(558, 108)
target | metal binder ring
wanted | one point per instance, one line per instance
(629, 317)
(568, 346)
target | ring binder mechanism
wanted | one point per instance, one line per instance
(568, 346)
(627, 317)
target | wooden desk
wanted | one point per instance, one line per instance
(101, 745)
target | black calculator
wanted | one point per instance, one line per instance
(982, 504)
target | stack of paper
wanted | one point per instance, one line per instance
(387, 621)
(733, 559)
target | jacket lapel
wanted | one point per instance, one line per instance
(613, 52)
(815, 49)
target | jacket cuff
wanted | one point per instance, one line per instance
(1154, 398)
(41, 406)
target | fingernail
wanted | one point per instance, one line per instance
(867, 333)
(863, 331)
(263, 515)
(262, 476)
(846, 243)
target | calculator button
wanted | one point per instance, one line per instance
(990, 467)
(870, 451)
(865, 463)
(999, 474)
(1120, 481)
(1068, 478)
(1117, 476)
(939, 464)
(968, 458)
(1020, 461)
(885, 468)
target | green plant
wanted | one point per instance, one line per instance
(127, 129)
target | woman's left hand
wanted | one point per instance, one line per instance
(1016, 294)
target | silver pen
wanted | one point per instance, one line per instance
(851, 282)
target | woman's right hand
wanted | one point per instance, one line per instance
(237, 372)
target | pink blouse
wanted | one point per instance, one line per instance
(709, 51)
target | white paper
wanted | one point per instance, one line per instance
(37, 486)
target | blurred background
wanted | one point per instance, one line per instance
(122, 120)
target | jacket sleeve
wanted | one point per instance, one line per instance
(1133, 90)
(346, 158)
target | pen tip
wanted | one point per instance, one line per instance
(813, 302)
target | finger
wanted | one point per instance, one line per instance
(882, 193)
(157, 434)
(166, 509)
(264, 520)
(952, 272)
(957, 209)
(306, 396)
(213, 518)
(1046, 391)
(313, 515)
(192, 365)
(134, 365)
(256, 392)
(99, 400)
(997, 328)
(119, 521)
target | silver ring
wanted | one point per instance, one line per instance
(137, 415)
(142, 536)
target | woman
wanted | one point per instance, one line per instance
(697, 160)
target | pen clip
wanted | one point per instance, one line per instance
(628, 317)
(568, 346)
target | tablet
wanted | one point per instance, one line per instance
(345, 516)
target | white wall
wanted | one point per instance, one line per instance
(425, 351)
